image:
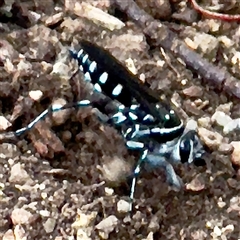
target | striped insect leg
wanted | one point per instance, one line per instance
(52, 109)
(136, 173)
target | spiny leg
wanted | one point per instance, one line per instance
(153, 161)
(52, 109)
(135, 176)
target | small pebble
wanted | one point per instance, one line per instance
(191, 125)
(82, 234)
(217, 231)
(35, 95)
(106, 226)
(154, 224)
(49, 225)
(123, 206)
(97, 16)
(84, 220)
(235, 158)
(231, 126)
(225, 148)
(226, 108)
(20, 233)
(196, 185)
(19, 175)
(61, 69)
(4, 123)
(149, 236)
(206, 43)
(221, 118)
(21, 216)
(9, 235)
(204, 122)
(109, 191)
(44, 213)
(54, 19)
(211, 139)
(228, 229)
(193, 91)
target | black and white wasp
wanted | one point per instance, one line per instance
(146, 124)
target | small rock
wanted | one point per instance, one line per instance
(236, 59)
(4, 123)
(52, 20)
(131, 66)
(59, 238)
(109, 191)
(154, 224)
(211, 139)
(123, 206)
(226, 108)
(106, 226)
(82, 235)
(20, 233)
(235, 158)
(217, 231)
(35, 95)
(191, 108)
(96, 15)
(33, 17)
(6, 88)
(225, 148)
(191, 125)
(24, 67)
(83, 220)
(206, 43)
(228, 42)
(221, 118)
(9, 235)
(196, 185)
(49, 225)
(149, 236)
(213, 25)
(193, 91)
(21, 216)
(19, 175)
(231, 126)
(204, 122)
(41, 46)
(228, 229)
(233, 183)
(61, 69)
(115, 170)
(8, 150)
(7, 51)
(44, 213)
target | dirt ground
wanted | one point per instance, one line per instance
(68, 177)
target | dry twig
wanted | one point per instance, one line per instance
(162, 36)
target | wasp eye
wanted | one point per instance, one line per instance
(185, 150)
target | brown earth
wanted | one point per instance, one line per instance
(67, 177)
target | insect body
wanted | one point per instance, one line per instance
(146, 124)
(109, 77)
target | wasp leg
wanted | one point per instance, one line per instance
(52, 109)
